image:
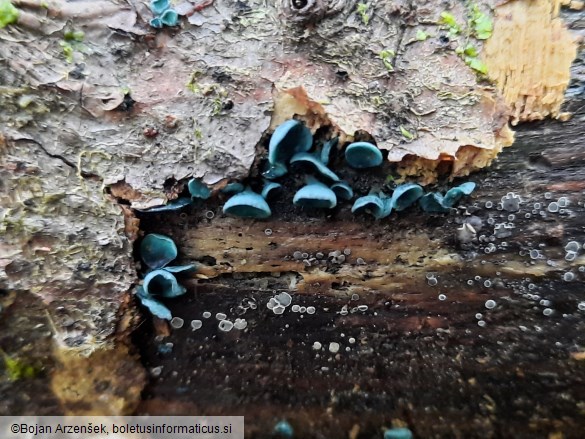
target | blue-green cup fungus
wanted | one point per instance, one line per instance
(283, 430)
(326, 150)
(269, 187)
(159, 6)
(162, 283)
(247, 204)
(177, 204)
(342, 190)
(398, 433)
(157, 250)
(288, 138)
(198, 189)
(377, 205)
(164, 15)
(154, 306)
(435, 202)
(314, 160)
(361, 155)
(170, 18)
(405, 195)
(453, 195)
(156, 22)
(315, 195)
(233, 188)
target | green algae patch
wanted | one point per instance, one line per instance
(8, 13)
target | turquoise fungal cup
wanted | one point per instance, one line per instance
(164, 15)
(198, 189)
(361, 155)
(288, 138)
(405, 195)
(378, 205)
(157, 250)
(159, 6)
(315, 195)
(247, 204)
(162, 283)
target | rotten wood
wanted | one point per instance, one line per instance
(412, 350)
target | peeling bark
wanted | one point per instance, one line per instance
(91, 129)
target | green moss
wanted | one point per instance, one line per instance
(386, 57)
(448, 20)
(193, 83)
(476, 64)
(8, 13)
(480, 23)
(74, 35)
(17, 369)
(407, 134)
(362, 9)
(421, 35)
(67, 51)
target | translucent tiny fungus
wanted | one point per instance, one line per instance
(198, 189)
(405, 195)
(362, 155)
(247, 204)
(157, 250)
(333, 347)
(225, 325)
(288, 138)
(490, 304)
(177, 322)
(315, 195)
(572, 246)
(240, 324)
(511, 202)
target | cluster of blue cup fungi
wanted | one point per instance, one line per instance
(164, 14)
(157, 251)
(291, 143)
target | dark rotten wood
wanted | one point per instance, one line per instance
(416, 359)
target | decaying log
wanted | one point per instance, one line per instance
(92, 129)
(409, 307)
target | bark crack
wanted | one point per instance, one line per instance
(64, 160)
